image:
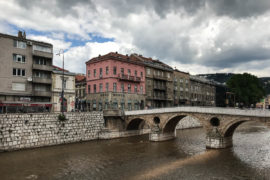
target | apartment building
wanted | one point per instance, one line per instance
(158, 82)
(115, 81)
(25, 74)
(202, 92)
(67, 80)
(181, 85)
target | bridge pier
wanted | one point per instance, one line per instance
(214, 140)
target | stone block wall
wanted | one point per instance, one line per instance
(188, 122)
(19, 131)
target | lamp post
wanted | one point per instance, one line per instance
(61, 51)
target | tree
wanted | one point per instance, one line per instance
(247, 88)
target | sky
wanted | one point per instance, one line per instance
(195, 36)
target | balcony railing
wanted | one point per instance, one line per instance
(42, 54)
(159, 77)
(42, 80)
(42, 93)
(125, 77)
(42, 67)
(160, 87)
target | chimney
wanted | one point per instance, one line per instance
(20, 34)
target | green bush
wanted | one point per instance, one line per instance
(62, 117)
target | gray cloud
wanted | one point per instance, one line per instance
(186, 31)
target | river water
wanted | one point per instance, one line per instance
(136, 158)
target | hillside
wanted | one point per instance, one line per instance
(224, 77)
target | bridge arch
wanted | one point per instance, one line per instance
(136, 124)
(170, 125)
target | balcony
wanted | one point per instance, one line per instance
(42, 54)
(125, 77)
(42, 93)
(160, 77)
(157, 87)
(42, 67)
(160, 98)
(42, 80)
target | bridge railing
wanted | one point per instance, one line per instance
(204, 109)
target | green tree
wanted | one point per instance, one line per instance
(247, 88)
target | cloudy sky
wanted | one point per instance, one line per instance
(196, 36)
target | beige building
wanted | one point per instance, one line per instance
(181, 85)
(158, 83)
(25, 73)
(69, 90)
(202, 92)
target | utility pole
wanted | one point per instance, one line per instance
(61, 51)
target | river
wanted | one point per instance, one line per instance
(136, 158)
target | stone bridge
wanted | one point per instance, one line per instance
(219, 123)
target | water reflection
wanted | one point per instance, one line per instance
(136, 158)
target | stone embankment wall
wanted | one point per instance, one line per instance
(188, 122)
(19, 131)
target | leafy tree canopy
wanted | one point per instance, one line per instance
(247, 88)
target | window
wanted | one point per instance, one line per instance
(100, 87)
(95, 88)
(141, 90)
(107, 70)
(89, 89)
(114, 87)
(89, 73)
(18, 58)
(122, 71)
(18, 72)
(19, 44)
(18, 86)
(42, 48)
(40, 61)
(114, 70)
(135, 89)
(129, 106)
(129, 88)
(129, 72)
(122, 87)
(135, 73)
(148, 71)
(107, 87)
(95, 72)
(100, 72)
(169, 75)
(141, 74)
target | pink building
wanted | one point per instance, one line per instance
(115, 81)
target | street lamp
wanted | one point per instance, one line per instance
(61, 51)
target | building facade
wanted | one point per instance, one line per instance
(181, 88)
(80, 96)
(202, 92)
(25, 74)
(115, 81)
(158, 82)
(69, 90)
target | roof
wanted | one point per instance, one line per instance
(152, 62)
(24, 39)
(80, 77)
(115, 56)
(59, 69)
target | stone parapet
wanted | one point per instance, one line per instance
(19, 131)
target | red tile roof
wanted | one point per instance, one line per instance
(80, 77)
(59, 69)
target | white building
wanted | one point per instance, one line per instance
(69, 90)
